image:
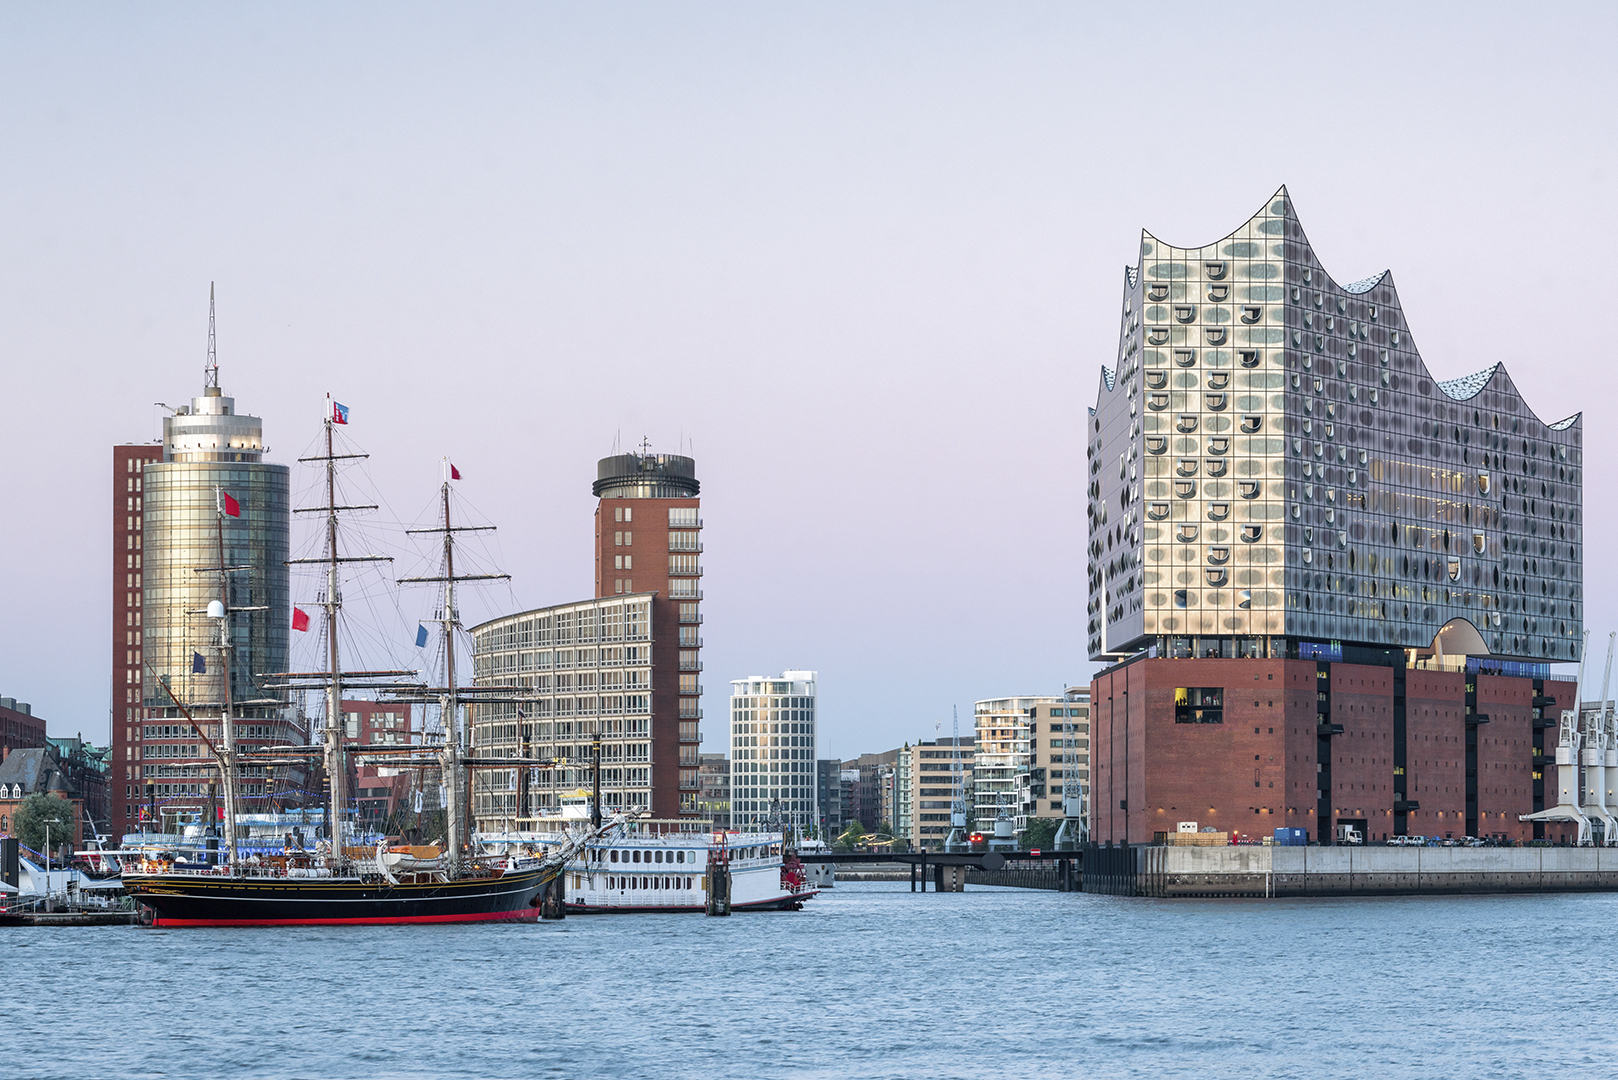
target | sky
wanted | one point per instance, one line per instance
(862, 261)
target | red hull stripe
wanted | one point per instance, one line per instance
(528, 914)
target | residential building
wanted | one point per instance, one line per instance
(713, 794)
(929, 778)
(129, 462)
(848, 796)
(19, 727)
(829, 797)
(68, 768)
(872, 802)
(1058, 750)
(1295, 527)
(379, 792)
(772, 749)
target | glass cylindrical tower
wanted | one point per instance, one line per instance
(207, 446)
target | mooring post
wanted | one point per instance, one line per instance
(923, 869)
(912, 877)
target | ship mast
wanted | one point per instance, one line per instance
(332, 749)
(227, 727)
(336, 774)
(451, 757)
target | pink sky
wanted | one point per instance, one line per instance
(864, 260)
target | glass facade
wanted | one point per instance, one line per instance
(772, 750)
(1269, 459)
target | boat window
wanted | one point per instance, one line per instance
(636, 856)
(679, 856)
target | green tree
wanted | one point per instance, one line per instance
(851, 836)
(1039, 833)
(42, 810)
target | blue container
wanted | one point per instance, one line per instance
(1292, 837)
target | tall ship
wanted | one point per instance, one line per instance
(336, 881)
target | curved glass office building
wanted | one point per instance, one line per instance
(205, 447)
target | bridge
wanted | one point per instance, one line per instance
(949, 867)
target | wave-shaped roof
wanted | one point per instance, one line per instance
(1468, 386)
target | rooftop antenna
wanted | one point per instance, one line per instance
(210, 373)
(645, 446)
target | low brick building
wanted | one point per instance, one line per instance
(1248, 746)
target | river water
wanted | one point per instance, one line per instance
(868, 981)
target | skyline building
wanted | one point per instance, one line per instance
(772, 750)
(166, 559)
(1269, 459)
(1329, 587)
(625, 664)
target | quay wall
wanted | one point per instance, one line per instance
(1368, 871)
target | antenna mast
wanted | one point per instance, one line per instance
(210, 372)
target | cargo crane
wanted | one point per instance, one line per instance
(1567, 762)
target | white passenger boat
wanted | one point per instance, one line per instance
(648, 865)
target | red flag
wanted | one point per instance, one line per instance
(300, 619)
(454, 473)
(232, 507)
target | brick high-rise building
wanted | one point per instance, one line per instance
(1296, 529)
(624, 665)
(128, 556)
(648, 538)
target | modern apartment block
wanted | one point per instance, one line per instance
(592, 667)
(713, 794)
(1004, 759)
(927, 785)
(772, 749)
(869, 798)
(829, 797)
(1058, 756)
(1296, 528)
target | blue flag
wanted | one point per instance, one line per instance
(199, 666)
(421, 636)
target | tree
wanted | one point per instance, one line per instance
(1039, 833)
(851, 836)
(37, 812)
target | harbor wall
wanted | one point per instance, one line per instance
(1368, 871)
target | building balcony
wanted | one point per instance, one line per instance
(690, 665)
(697, 547)
(694, 594)
(693, 618)
(695, 571)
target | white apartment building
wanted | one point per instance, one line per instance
(1027, 749)
(772, 749)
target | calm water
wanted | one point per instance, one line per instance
(869, 981)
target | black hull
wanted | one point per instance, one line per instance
(207, 900)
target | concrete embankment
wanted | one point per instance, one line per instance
(1368, 871)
